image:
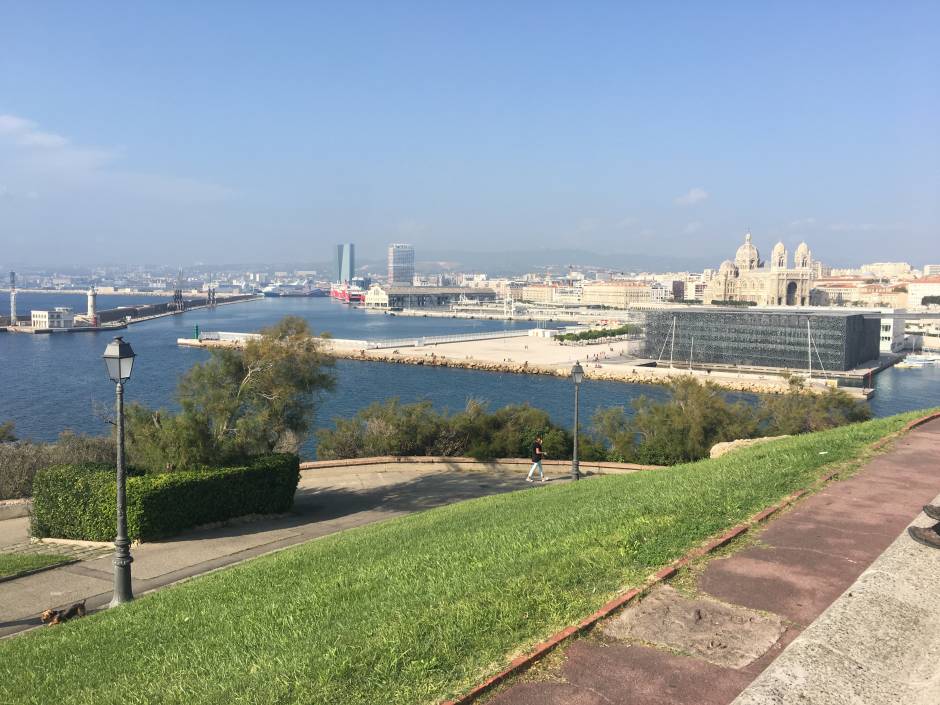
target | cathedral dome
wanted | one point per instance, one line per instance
(727, 267)
(778, 259)
(747, 256)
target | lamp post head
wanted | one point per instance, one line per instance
(119, 359)
(577, 373)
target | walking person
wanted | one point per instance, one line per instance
(537, 456)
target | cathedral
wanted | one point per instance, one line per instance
(748, 279)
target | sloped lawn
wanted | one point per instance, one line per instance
(414, 609)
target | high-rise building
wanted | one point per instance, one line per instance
(401, 264)
(345, 263)
(932, 270)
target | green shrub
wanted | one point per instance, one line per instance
(79, 501)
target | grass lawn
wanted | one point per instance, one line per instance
(414, 609)
(11, 564)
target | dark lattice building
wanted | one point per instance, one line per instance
(762, 338)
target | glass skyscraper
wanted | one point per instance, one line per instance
(345, 263)
(401, 264)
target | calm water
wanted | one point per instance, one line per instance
(52, 382)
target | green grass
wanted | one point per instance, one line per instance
(414, 609)
(11, 563)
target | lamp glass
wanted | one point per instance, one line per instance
(119, 360)
(577, 373)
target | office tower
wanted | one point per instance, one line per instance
(401, 264)
(345, 262)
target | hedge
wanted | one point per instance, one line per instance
(79, 501)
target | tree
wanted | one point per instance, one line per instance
(393, 428)
(679, 430)
(239, 403)
(698, 416)
(801, 411)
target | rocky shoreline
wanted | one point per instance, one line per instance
(628, 375)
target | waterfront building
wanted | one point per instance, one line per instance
(932, 270)
(884, 295)
(622, 293)
(919, 288)
(762, 337)
(401, 264)
(537, 293)
(837, 291)
(409, 297)
(748, 279)
(58, 318)
(345, 263)
(892, 330)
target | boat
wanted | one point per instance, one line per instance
(912, 364)
(347, 293)
(272, 291)
(926, 358)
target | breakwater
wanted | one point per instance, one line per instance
(460, 356)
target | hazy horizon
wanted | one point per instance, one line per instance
(173, 134)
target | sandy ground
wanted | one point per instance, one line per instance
(536, 355)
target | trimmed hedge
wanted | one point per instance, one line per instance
(79, 501)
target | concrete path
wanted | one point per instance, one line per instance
(325, 504)
(878, 643)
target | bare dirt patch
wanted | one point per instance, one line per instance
(722, 634)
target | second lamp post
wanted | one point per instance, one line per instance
(577, 375)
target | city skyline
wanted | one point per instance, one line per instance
(606, 130)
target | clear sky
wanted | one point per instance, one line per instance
(267, 131)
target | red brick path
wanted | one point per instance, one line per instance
(806, 559)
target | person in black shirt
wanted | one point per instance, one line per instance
(537, 455)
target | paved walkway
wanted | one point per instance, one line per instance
(802, 563)
(324, 504)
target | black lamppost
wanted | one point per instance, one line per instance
(577, 375)
(119, 359)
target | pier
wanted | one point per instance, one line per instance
(121, 317)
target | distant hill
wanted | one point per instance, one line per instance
(526, 260)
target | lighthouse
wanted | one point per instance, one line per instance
(92, 306)
(12, 298)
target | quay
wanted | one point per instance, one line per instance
(120, 318)
(536, 352)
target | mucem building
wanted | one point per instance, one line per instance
(761, 338)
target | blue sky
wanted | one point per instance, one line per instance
(225, 131)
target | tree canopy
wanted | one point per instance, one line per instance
(240, 402)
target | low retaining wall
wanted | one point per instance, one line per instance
(438, 463)
(14, 508)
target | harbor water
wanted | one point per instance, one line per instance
(49, 383)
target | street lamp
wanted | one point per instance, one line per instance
(119, 359)
(577, 375)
